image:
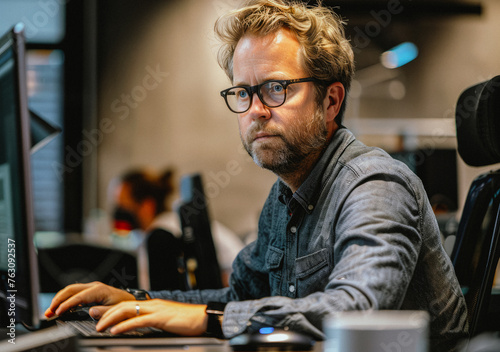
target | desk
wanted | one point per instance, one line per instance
(169, 349)
(64, 340)
(159, 345)
(224, 347)
(153, 344)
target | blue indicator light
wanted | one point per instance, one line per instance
(399, 55)
(266, 331)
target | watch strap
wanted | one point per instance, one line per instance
(140, 295)
(215, 312)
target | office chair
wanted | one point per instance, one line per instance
(78, 262)
(476, 251)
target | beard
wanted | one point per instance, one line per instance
(289, 148)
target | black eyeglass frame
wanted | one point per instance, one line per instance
(251, 90)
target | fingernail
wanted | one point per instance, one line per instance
(95, 313)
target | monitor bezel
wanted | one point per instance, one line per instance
(28, 316)
(197, 237)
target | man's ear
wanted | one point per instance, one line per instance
(335, 95)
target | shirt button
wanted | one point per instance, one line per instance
(310, 207)
(291, 288)
(293, 229)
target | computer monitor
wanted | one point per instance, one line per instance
(18, 268)
(437, 168)
(200, 255)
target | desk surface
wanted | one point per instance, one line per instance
(167, 343)
(141, 345)
(65, 340)
(193, 348)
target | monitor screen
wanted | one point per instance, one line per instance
(437, 168)
(200, 256)
(18, 270)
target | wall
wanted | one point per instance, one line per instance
(181, 120)
(176, 117)
(455, 52)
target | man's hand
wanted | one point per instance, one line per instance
(178, 318)
(94, 292)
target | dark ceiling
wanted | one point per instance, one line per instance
(362, 10)
(375, 26)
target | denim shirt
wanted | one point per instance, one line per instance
(358, 234)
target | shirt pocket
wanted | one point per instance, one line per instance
(274, 263)
(312, 272)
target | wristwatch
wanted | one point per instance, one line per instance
(140, 295)
(215, 312)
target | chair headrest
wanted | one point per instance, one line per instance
(477, 119)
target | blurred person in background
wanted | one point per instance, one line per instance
(142, 202)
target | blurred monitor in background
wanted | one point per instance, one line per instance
(437, 168)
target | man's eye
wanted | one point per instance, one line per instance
(276, 88)
(242, 94)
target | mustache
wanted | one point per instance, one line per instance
(259, 127)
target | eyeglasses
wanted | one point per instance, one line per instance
(271, 93)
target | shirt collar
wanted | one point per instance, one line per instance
(308, 193)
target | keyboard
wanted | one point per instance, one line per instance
(81, 322)
(86, 328)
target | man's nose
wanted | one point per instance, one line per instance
(258, 109)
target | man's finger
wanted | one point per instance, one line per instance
(116, 314)
(96, 312)
(62, 296)
(131, 324)
(86, 295)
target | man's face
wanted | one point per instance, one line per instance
(127, 207)
(279, 139)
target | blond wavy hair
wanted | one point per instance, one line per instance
(326, 53)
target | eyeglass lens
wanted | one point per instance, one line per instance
(272, 94)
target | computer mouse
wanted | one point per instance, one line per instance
(272, 338)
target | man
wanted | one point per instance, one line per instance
(345, 227)
(142, 214)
